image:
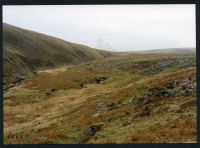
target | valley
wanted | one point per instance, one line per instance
(124, 98)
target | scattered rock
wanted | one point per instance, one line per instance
(162, 65)
(175, 88)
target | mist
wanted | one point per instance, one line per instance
(110, 27)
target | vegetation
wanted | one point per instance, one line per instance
(25, 51)
(125, 98)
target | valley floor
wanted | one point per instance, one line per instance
(125, 99)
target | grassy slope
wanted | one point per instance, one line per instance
(25, 50)
(55, 109)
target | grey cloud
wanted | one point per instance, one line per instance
(122, 27)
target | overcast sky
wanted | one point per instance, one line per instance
(112, 27)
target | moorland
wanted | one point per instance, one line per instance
(61, 92)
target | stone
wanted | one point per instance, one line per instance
(137, 101)
(191, 87)
(90, 131)
(186, 81)
(96, 114)
(169, 92)
(181, 92)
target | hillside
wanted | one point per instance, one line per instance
(144, 98)
(74, 94)
(24, 51)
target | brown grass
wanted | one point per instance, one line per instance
(179, 131)
(72, 109)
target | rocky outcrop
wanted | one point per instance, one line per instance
(175, 88)
(159, 67)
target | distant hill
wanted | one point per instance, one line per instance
(25, 50)
(168, 50)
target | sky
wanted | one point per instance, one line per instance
(110, 27)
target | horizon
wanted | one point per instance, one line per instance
(104, 49)
(168, 26)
